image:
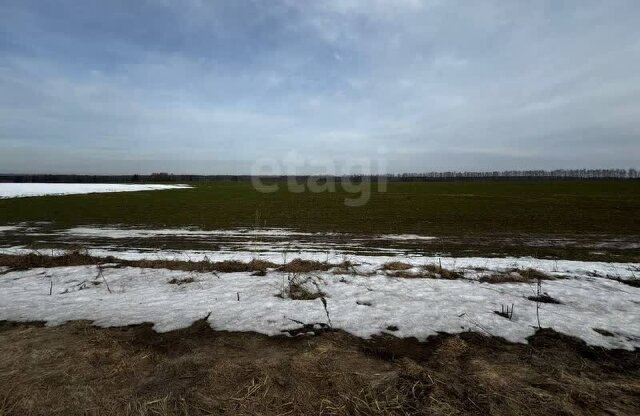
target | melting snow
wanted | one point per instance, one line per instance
(17, 190)
(118, 232)
(405, 237)
(112, 232)
(363, 305)
(418, 307)
(471, 266)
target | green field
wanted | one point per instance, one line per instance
(449, 208)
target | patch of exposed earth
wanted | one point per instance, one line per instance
(579, 247)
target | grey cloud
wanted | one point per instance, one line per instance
(439, 85)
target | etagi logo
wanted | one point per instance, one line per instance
(350, 176)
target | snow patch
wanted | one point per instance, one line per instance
(19, 190)
(405, 237)
(418, 307)
(115, 233)
(122, 232)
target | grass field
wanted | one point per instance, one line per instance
(450, 208)
(280, 322)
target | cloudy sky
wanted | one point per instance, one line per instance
(195, 86)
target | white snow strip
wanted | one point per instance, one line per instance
(115, 233)
(18, 190)
(418, 307)
(122, 232)
(6, 228)
(405, 237)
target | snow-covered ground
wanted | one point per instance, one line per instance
(17, 190)
(364, 303)
(363, 306)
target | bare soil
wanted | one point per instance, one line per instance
(80, 369)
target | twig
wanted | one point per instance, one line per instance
(324, 303)
(538, 303)
(100, 274)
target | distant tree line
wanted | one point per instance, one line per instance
(527, 174)
(557, 174)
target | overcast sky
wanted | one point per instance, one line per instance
(195, 86)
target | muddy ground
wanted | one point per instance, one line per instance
(587, 247)
(80, 369)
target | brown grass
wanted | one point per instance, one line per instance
(80, 258)
(345, 267)
(37, 260)
(77, 369)
(260, 265)
(516, 276)
(298, 291)
(396, 266)
(304, 266)
(434, 271)
(430, 271)
(227, 266)
(180, 282)
(297, 288)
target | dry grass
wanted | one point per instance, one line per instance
(180, 282)
(345, 267)
(429, 271)
(38, 260)
(299, 287)
(259, 267)
(544, 298)
(396, 266)
(348, 267)
(516, 276)
(227, 266)
(304, 266)
(298, 291)
(81, 258)
(438, 272)
(78, 369)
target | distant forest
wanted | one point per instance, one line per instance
(558, 174)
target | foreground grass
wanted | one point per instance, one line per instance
(77, 369)
(454, 208)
